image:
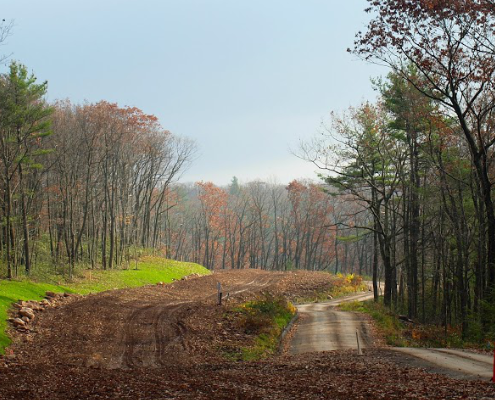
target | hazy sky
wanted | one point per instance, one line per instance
(246, 79)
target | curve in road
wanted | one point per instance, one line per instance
(323, 327)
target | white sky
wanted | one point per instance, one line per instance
(246, 79)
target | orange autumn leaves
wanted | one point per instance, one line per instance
(265, 226)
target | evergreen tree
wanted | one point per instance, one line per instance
(24, 122)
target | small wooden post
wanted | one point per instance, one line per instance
(219, 288)
(360, 352)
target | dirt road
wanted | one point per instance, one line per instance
(323, 327)
(149, 326)
(456, 363)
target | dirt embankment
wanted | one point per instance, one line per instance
(152, 326)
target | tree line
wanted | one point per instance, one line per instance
(419, 161)
(80, 183)
(94, 184)
(264, 225)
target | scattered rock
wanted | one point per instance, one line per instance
(19, 323)
(45, 303)
(33, 305)
(185, 278)
(26, 312)
(50, 294)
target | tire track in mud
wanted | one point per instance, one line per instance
(154, 335)
(153, 325)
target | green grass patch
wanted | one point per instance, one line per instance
(387, 323)
(263, 319)
(412, 334)
(150, 270)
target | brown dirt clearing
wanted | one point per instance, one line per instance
(161, 342)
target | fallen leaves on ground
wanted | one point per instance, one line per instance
(76, 351)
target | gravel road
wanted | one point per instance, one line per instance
(460, 364)
(323, 327)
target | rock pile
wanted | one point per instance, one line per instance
(185, 278)
(25, 311)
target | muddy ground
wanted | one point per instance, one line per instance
(162, 342)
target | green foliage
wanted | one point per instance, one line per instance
(386, 322)
(265, 319)
(348, 239)
(25, 115)
(234, 187)
(22, 101)
(150, 270)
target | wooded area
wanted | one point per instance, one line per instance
(266, 225)
(406, 192)
(420, 161)
(81, 183)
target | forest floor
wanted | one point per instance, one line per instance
(161, 342)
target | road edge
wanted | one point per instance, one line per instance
(285, 331)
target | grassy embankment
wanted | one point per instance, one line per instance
(150, 270)
(412, 334)
(387, 324)
(265, 318)
(263, 321)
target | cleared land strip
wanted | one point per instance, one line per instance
(147, 327)
(159, 342)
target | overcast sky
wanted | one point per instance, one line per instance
(246, 79)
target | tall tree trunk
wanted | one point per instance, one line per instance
(8, 211)
(25, 228)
